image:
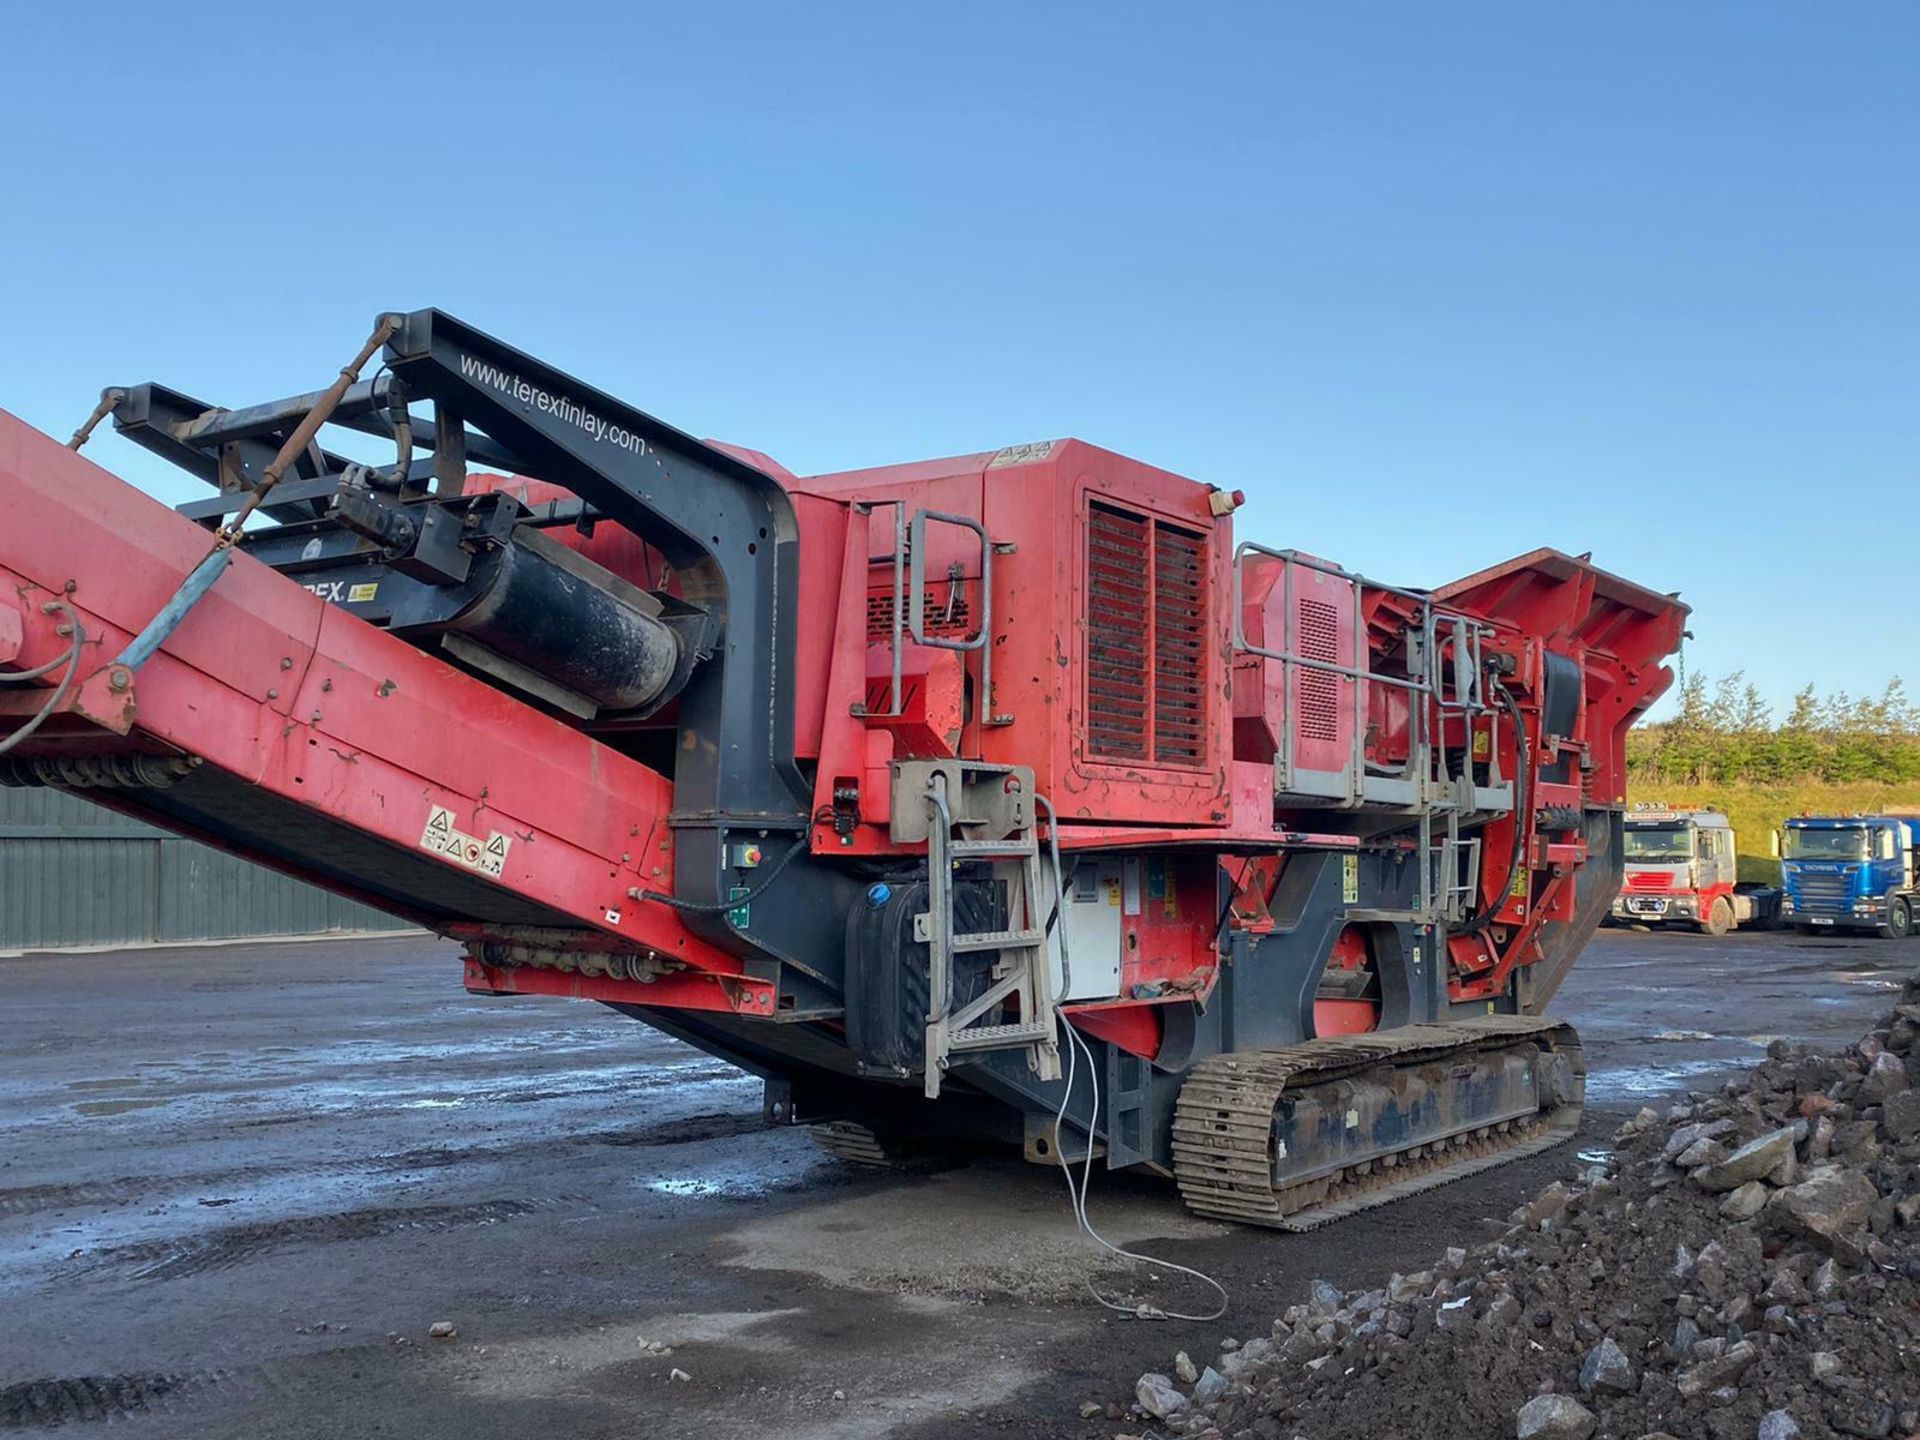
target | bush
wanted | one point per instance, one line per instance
(1723, 751)
(1724, 734)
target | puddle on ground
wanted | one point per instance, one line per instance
(684, 1186)
(114, 1107)
(736, 1186)
(1634, 1081)
(117, 1083)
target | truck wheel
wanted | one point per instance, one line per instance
(1899, 922)
(1719, 918)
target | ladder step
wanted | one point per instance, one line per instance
(991, 849)
(997, 940)
(993, 1037)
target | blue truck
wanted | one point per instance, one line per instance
(1846, 872)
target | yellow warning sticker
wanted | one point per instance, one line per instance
(1482, 744)
(445, 839)
(1350, 879)
(363, 592)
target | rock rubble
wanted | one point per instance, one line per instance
(1747, 1267)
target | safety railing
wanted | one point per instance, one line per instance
(910, 601)
(1436, 641)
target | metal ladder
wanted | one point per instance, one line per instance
(1020, 978)
(1457, 867)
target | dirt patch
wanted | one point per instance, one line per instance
(240, 1244)
(995, 1240)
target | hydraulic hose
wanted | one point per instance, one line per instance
(200, 579)
(1522, 802)
(54, 701)
(720, 907)
(17, 677)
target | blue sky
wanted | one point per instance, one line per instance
(1433, 284)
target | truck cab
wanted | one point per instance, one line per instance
(1681, 869)
(1851, 872)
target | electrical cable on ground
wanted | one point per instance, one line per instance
(1079, 1197)
(1076, 1046)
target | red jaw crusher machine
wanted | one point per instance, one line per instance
(888, 786)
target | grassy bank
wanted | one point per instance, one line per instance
(1758, 810)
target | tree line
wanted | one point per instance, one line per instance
(1725, 733)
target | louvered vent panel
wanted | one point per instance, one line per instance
(949, 612)
(1118, 551)
(1146, 628)
(1318, 691)
(1179, 656)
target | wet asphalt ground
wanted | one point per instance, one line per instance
(238, 1184)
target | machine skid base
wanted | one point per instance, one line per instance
(1297, 1137)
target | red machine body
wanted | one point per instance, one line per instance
(1288, 799)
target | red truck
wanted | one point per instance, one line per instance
(1681, 869)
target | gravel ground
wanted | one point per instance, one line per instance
(239, 1184)
(1746, 1266)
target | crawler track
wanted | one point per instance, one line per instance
(1223, 1131)
(854, 1144)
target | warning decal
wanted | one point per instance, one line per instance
(442, 837)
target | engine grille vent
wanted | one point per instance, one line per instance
(1146, 639)
(1319, 691)
(948, 614)
(1179, 656)
(1826, 890)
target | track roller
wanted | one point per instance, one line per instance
(855, 1144)
(1297, 1137)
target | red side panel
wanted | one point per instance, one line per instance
(1618, 631)
(1322, 628)
(322, 718)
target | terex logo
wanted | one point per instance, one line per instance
(343, 592)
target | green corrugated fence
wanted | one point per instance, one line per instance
(73, 874)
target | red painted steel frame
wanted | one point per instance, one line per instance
(270, 684)
(276, 687)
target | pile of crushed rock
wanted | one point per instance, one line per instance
(1744, 1265)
